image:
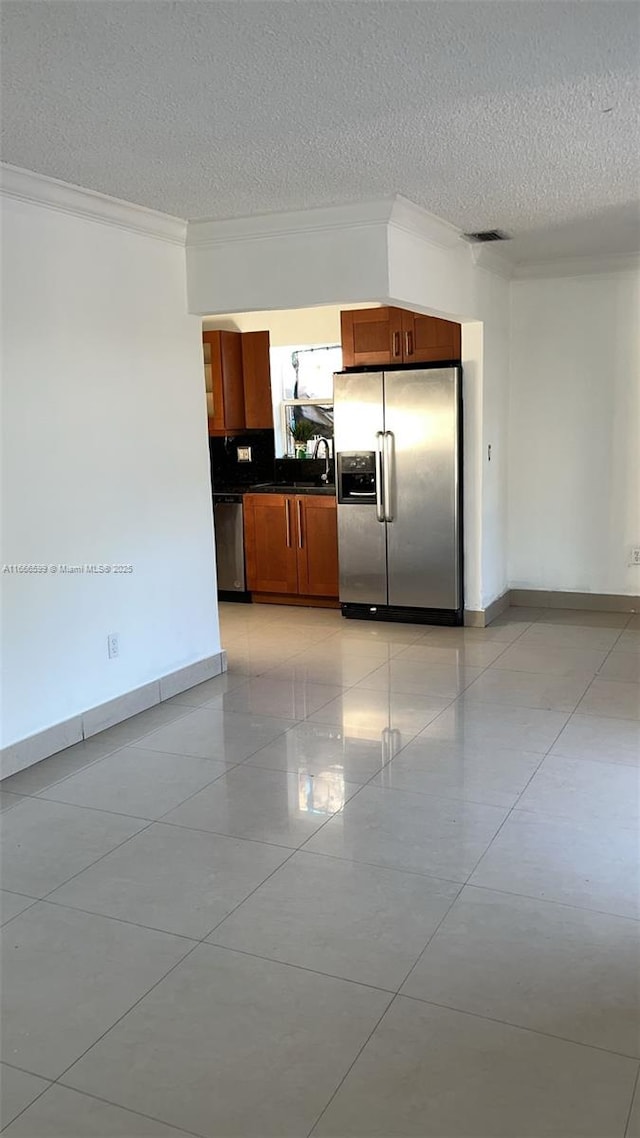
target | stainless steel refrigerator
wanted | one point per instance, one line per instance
(398, 455)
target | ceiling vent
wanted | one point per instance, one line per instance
(486, 235)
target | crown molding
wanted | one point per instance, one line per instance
(418, 222)
(264, 226)
(577, 267)
(485, 257)
(397, 211)
(38, 189)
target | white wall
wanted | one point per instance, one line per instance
(301, 258)
(105, 459)
(288, 326)
(574, 429)
(444, 280)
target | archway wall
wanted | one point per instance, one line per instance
(391, 252)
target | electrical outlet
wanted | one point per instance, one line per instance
(634, 555)
(244, 454)
(113, 648)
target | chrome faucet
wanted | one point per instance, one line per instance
(327, 457)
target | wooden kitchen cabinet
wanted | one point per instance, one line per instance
(237, 381)
(427, 339)
(291, 547)
(256, 377)
(378, 336)
(371, 336)
(317, 530)
(223, 381)
(270, 546)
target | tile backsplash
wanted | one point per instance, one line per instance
(226, 470)
(288, 470)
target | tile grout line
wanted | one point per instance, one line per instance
(597, 675)
(437, 928)
(29, 1104)
(552, 901)
(131, 1110)
(465, 884)
(631, 1104)
(33, 901)
(300, 967)
(522, 1027)
(119, 920)
(125, 1013)
(351, 1066)
(52, 1083)
(515, 804)
(140, 817)
(45, 896)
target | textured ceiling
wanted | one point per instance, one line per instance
(487, 114)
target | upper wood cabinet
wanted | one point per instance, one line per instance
(371, 336)
(223, 380)
(427, 339)
(291, 545)
(256, 373)
(379, 336)
(237, 381)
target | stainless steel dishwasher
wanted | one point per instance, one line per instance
(229, 527)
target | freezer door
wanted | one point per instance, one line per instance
(421, 501)
(361, 556)
(358, 426)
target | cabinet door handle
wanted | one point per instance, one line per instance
(408, 343)
(300, 537)
(396, 344)
(288, 522)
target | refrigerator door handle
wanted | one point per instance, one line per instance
(380, 511)
(388, 472)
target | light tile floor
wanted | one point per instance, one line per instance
(378, 880)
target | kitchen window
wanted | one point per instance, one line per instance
(304, 377)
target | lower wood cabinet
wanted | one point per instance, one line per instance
(291, 547)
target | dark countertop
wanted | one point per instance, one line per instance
(293, 488)
(278, 488)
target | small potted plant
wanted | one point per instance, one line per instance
(301, 432)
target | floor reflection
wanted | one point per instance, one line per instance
(322, 793)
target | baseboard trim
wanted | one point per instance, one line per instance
(550, 599)
(18, 756)
(480, 618)
(592, 602)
